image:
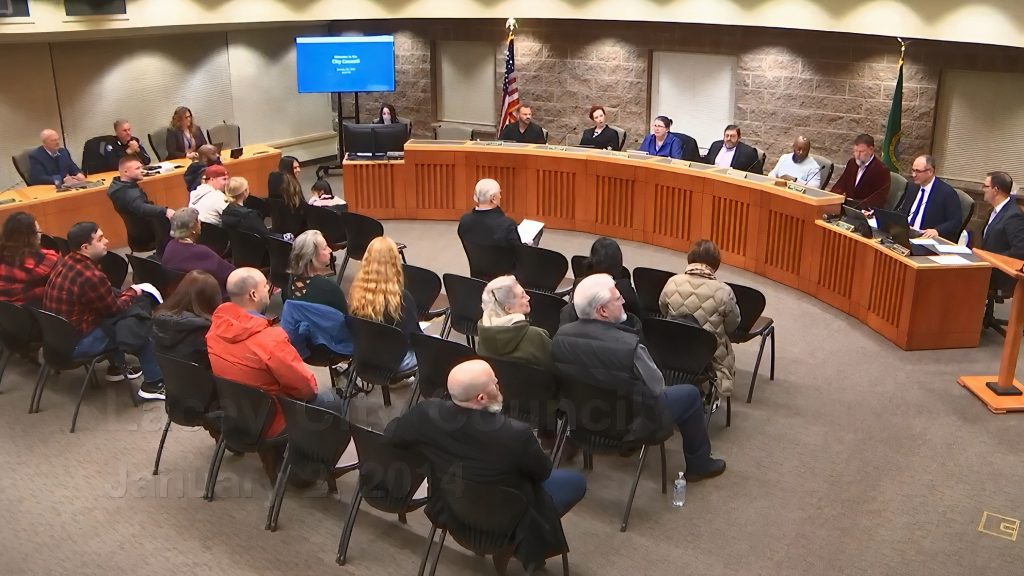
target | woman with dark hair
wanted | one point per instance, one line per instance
(601, 135)
(699, 293)
(284, 182)
(185, 136)
(662, 142)
(386, 115)
(321, 194)
(181, 322)
(24, 265)
(606, 258)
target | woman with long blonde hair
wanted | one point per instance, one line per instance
(378, 293)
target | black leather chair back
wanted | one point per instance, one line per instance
(435, 358)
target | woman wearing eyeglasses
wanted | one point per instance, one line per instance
(661, 142)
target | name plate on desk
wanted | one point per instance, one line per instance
(557, 148)
(736, 173)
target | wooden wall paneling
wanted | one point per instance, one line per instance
(837, 257)
(731, 219)
(376, 189)
(508, 170)
(886, 296)
(946, 308)
(432, 190)
(555, 193)
(782, 239)
(617, 199)
(672, 208)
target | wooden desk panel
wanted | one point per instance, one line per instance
(58, 211)
(771, 231)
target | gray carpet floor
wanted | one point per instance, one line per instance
(858, 459)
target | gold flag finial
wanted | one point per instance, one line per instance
(903, 48)
(511, 24)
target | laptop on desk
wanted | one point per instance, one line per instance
(896, 227)
(856, 218)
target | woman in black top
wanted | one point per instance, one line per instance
(236, 216)
(277, 180)
(601, 135)
(606, 258)
(309, 267)
(180, 324)
(386, 115)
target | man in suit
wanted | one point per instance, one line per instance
(50, 163)
(730, 152)
(523, 130)
(1004, 231)
(866, 179)
(124, 144)
(931, 205)
(468, 438)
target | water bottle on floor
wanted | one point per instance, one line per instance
(679, 491)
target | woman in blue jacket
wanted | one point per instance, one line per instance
(661, 142)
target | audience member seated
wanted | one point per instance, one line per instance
(180, 324)
(386, 115)
(486, 224)
(286, 176)
(321, 194)
(124, 144)
(184, 253)
(51, 164)
(1004, 231)
(247, 348)
(25, 267)
(131, 201)
(185, 137)
(504, 331)
(468, 438)
(207, 155)
(236, 215)
(209, 198)
(598, 349)
(378, 293)
(865, 179)
(600, 136)
(661, 142)
(799, 167)
(606, 258)
(731, 152)
(310, 269)
(80, 292)
(523, 129)
(699, 293)
(930, 204)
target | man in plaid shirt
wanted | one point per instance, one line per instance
(80, 292)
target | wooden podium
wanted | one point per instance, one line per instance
(1006, 394)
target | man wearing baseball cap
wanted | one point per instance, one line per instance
(209, 198)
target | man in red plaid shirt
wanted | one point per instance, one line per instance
(80, 292)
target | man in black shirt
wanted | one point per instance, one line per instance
(487, 234)
(524, 130)
(124, 145)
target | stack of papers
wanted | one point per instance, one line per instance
(949, 259)
(529, 229)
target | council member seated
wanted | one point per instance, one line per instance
(601, 135)
(207, 155)
(523, 129)
(184, 253)
(865, 179)
(731, 152)
(25, 266)
(185, 137)
(52, 164)
(931, 205)
(236, 216)
(798, 167)
(124, 144)
(132, 203)
(209, 198)
(661, 142)
(1004, 231)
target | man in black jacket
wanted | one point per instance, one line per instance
(600, 351)
(523, 130)
(468, 437)
(730, 152)
(488, 227)
(1004, 231)
(124, 144)
(142, 218)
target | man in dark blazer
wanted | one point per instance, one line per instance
(931, 205)
(124, 144)
(50, 163)
(730, 152)
(866, 179)
(1004, 231)
(467, 437)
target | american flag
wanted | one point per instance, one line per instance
(509, 88)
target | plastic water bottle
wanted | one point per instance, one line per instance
(679, 491)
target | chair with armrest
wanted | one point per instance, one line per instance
(228, 135)
(158, 142)
(825, 169)
(897, 187)
(621, 132)
(452, 132)
(93, 161)
(22, 164)
(967, 208)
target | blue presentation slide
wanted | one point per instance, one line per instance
(345, 64)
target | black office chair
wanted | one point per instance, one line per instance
(542, 270)
(22, 164)
(215, 238)
(317, 439)
(247, 414)
(248, 250)
(330, 223)
(148, 270)
(258, 204)
(284, 220)
(59, 342)
(378, 351)
(115, 268)
(389, 478)
(191, 395)
(360, 230)
(545, 311)
(578, 265)
(649, 282)
(683, 350)
(530, 394)
(425, 287)
(435, 358)
(753, 324)
(93, 161)
(19, 333)
(279, 251)
(142, 232)
(488, 262)
(464, 295)
(55, 243)
(482, 518)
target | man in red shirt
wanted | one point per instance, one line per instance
(865, 178)
(80, 292)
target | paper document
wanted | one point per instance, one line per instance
(529, 229)
(424, 325)
(924, 242)
(149, 289)
(949, 259)
(954, 249)
(872, 222)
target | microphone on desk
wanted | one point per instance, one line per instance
(813, 174)
(565, 138)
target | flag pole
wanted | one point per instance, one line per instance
(894, 123)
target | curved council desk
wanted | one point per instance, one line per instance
(772, 231)
(58, 211)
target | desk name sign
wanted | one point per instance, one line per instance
(736, 173)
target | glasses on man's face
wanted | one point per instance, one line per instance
(916, 171)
